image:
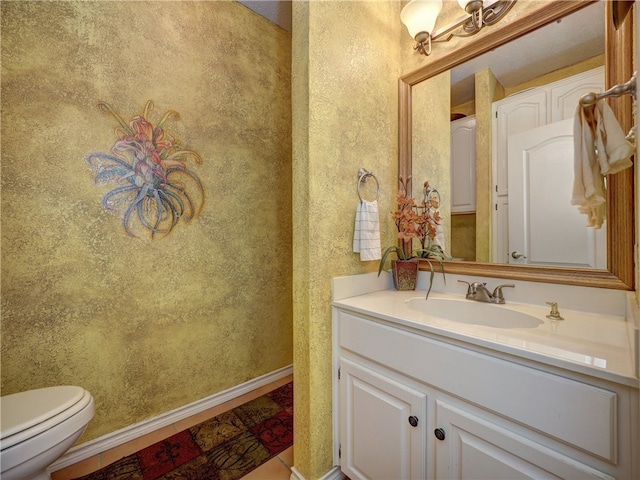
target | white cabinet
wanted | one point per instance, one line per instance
(413, 406)
(476, 445)
(382, 430)
(564, 95)
(463, 165)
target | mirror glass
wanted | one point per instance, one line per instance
(558, 62)
(538, 78)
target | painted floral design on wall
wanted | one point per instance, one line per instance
(155, 188)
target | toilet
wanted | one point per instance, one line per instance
(38, 427)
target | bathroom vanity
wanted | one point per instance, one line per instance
(423, 394)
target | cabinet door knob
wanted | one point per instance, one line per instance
(439, 433)
(413, 421)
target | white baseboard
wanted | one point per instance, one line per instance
(333, 474)
(295, 474)
(127, 434)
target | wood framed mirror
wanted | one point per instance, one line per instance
(619, 273)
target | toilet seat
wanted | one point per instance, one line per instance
(27, 414)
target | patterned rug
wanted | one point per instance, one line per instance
(225, 447)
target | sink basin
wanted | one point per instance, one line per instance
(474, 313)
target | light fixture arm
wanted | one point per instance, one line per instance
(475, 8)
(423, 43)
(477, 19)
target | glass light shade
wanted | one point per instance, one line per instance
(463, 4)
(420, 16)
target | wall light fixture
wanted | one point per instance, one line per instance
(419, 16)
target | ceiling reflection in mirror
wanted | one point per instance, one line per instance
(568, 41)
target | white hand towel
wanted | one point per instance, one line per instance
(588, 184)
(366, 235)
(600, 148)
(614, 150)
(356, 230)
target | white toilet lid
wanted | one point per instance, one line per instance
(24, 410)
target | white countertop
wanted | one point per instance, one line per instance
(597, 345)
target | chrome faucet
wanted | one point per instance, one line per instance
(478, 291)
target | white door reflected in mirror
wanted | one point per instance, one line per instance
(543, 225)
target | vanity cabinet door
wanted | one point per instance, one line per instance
(476, 445)
(382, 425)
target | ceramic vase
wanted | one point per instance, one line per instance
(405, 274)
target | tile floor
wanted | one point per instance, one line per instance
(278, 468)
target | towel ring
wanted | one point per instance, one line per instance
(363, 174)
(428, 191)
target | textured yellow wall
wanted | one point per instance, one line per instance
(145, 325)
(431, 146)
(345, 117)
(463, 236)
(488, 90)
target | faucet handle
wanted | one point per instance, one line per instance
(472, 288)
(469, 292)
(476, 288)
(554, 314)
(498, 297)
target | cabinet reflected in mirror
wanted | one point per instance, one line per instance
(489, 84)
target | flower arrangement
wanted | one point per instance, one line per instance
(148, 168)
(417, 221)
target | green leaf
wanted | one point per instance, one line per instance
(433, 274)
(389, 250)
